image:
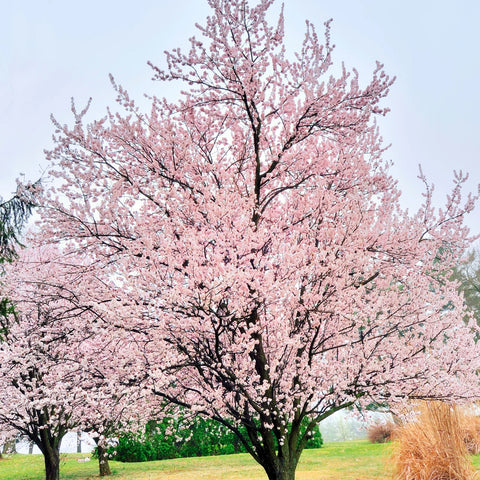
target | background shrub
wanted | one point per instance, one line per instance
(183, 437)
(380, 432)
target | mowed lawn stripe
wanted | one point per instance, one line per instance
(354, 460)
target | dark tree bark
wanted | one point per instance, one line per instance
(281, 470)
(48, 440)
(103, 465)
(52, 464)
(9, 447)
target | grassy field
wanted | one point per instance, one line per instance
(356, 460)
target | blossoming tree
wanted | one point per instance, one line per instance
(258, 242)
(59, 369)
(36, 394)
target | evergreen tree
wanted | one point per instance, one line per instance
(13, 216)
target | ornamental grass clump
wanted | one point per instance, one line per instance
(470, 425)
(433, 446)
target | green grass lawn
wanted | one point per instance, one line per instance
(358, 460)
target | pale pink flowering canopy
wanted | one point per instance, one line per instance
(252, 233)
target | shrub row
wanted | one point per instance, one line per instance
(178, 438)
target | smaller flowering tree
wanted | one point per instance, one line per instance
(35, 398)
(117, 397)
(59, 371)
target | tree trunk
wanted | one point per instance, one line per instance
(30, 447)
(9, 447)
(280, 469)
(286, 473)
(49, 445)
(79, 442)
(103, 464)
(52, 464)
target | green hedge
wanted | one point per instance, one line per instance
(178, 438)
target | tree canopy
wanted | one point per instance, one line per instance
(252, 240)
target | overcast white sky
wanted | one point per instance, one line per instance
(51, 50)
